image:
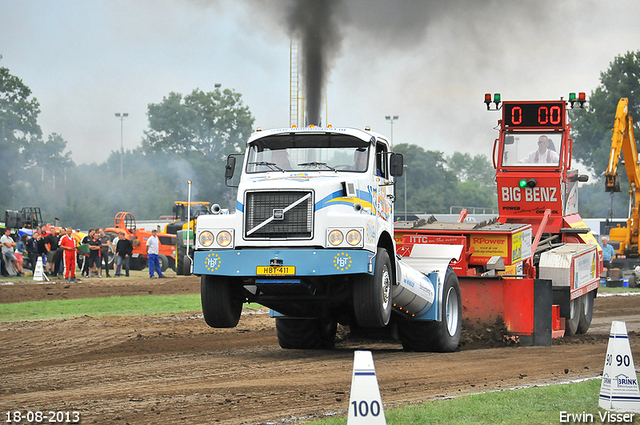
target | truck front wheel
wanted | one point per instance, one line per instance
(221, 301)
(372, 294)
(302, 334)
(430, 335)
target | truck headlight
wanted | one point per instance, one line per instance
(354, 237)
(335, 237)
(224, 238)
(205, 238)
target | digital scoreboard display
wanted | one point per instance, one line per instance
(534, 114)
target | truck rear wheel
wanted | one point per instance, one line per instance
(573, 320)
(372, 294)
(586, 312)
(221, 301)
(304, 334)
(430, 335)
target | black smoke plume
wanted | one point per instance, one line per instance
(314, 24)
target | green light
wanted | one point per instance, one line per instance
(496, 97)
(522, 183)
(572, 96)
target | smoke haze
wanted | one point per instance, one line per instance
(429, 62)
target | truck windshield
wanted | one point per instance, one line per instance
(531, 149)
(308, 152)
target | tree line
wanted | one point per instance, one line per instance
(190, 136)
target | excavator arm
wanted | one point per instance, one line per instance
(623, 142)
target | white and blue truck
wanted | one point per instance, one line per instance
(312, 238)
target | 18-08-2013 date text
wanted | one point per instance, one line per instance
(42, 416)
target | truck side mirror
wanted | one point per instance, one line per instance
(396, 162)
(230, 168)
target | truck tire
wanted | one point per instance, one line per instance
(221, 302)
(180, 253)
(164, 262)
(303, 334)
(586, 312)
(372, 294)
(573, 320)
(430, 335)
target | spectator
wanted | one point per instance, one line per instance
(21, 251)
(58, 268)
(7, 251)
(85, 264)
(105, 247)
(607, 252)
(42, 248)
(94, 256)
(153, 250)
(51, 242)
(114, 244)
(124, 249)
(68, 244)
(32, 250)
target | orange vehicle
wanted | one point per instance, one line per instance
(126, 222)
(537, 267)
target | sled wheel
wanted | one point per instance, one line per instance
(586, 312)
(571, 323)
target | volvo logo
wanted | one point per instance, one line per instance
(278, 214)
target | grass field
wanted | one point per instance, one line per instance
(97, 307)
(536, 405)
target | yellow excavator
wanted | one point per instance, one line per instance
(623, 143)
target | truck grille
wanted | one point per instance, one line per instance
(279, 215)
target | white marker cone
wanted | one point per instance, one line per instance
(38, 274)
(365, 403)
(619, 390)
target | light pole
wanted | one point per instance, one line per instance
(391, 119)
(121, 117)
(405, 192)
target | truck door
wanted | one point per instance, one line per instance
(384, 202)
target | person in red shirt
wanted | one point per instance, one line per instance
(68, 243)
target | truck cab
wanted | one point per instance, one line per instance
(311, 237)
(533, 165)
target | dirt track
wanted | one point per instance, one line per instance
(174, 369)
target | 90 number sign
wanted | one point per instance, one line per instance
(534, 114)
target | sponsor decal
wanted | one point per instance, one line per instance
(529, 194)
(212, 262)
(489, 245)
(342, 261)
(371, 231)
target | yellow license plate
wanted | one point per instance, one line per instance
(276, 270)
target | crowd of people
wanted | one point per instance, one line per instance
(57, 248)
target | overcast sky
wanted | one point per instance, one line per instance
(428, 62)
